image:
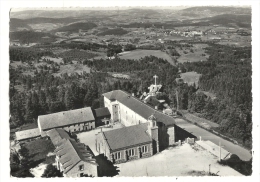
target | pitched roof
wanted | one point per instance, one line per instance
(65, 118)
(71, 153)
(138, 106)
(101, 112)
(127, 136)
(26, 134)
(56, 135)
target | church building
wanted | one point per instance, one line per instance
(129, 143)
(130, 111)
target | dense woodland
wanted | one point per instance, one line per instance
(227, 74)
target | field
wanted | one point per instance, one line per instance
(45, 26)
(195, 56)
(72, 68)
(190, 77)
(55, 60)
(77, 54)
(138, 54)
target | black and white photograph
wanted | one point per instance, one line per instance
(130, 91)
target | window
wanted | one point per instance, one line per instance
(81, 167)
(131, 152)
(144, 149)
(117, 155)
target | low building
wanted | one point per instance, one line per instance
(71, 121)
(57, 135)
(102, 116)
(75, 159)
(27, 135)
(129, 143)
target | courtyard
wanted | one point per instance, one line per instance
(185, 160)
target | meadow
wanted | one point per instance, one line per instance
(138, 54)
(197, 53)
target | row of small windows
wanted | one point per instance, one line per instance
(131, 152)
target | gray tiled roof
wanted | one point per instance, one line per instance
(127, 137)
(56, 135)
(71, 153)
(27, 134)
(138, 106)
(102, 112)
(66, 118)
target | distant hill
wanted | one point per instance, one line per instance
(115, 31)
(16, 24)
(218, 9)
(226, 19)
(143, 12)
(75, 27)
(32, 37)
(38, 20)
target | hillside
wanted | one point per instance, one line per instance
(37, 20)
(115, 31)
(18, 24)
(226, 19)
(31, 37)
(75, 27)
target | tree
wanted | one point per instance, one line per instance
(69, 99)
(51, 172)
(24, 152)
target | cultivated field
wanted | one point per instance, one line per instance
(190, 77)
(195, 56)
(138, 54)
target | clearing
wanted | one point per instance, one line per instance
(191, 77)
(198, 53)
(72, 68)
(176, 161)
(55, 60)
(138, 54)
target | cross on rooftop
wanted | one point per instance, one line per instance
(155, 76)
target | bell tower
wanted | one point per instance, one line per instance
(152, 130)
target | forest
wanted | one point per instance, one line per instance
(227, 74)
